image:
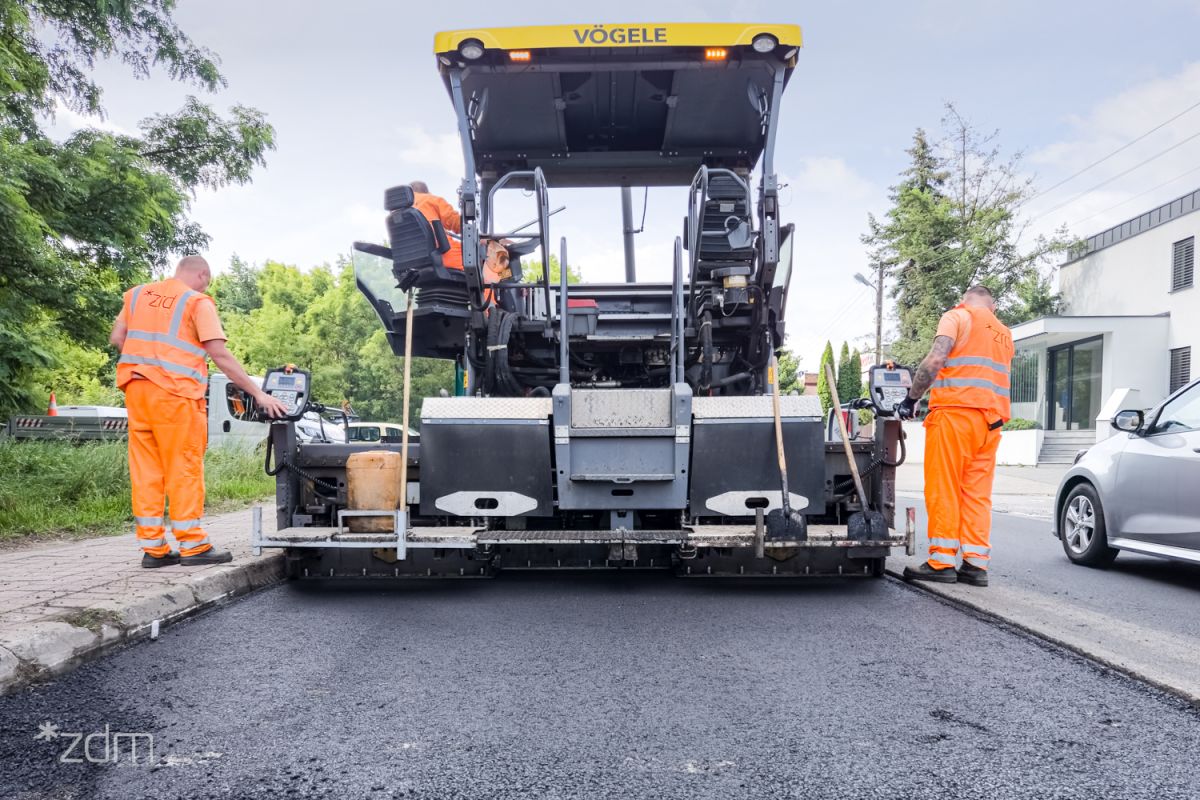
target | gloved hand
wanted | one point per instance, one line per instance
(906, 408)
(408, 280)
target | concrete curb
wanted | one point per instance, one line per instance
(991, 614)
(37, 651)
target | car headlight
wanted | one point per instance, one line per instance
(1079, 455)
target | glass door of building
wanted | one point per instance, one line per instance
(1074, 381)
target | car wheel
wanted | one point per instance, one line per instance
(1084, 538)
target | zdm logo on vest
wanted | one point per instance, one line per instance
(600, 35)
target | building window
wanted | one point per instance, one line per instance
(1183, 264)
(1181, 367)
(1024, 381)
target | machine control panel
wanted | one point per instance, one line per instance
(289, 386)
(889, 385)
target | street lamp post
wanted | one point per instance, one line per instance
(878, 287)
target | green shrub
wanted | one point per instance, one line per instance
(57, 488)
(1019, 424)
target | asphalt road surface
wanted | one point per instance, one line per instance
(629, 685)
(1140, 613)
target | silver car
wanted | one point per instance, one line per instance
(1139, 489)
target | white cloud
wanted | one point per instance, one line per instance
(1171, 158)
(828, 201)
(833, 177)
(68, 121)
(437, 155)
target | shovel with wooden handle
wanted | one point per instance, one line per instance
(864, 524)
(783, 522)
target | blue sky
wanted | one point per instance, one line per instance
(354, 95)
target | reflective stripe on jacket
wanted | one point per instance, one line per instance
(161, 343)
(976, 374)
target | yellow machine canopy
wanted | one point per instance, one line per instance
(639, 104)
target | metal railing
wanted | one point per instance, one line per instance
(543, 222)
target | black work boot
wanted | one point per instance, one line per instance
(928, 573)
(207, 558)
(153, 562)
(969, 573)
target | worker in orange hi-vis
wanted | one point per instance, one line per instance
(166, 333)
(495, 265)
(437, 208)
(968, 371)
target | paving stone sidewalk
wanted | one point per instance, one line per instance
(62, 603)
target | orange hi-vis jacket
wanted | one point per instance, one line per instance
(161, 344)
(976, 374)
(434, 207)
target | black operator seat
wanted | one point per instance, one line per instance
(417, 243)
(726, 232)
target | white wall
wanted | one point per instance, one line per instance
(1133, 277)
(1136, 357)
(1017, 448)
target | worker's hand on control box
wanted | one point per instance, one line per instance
(269, 406)
(906, 408)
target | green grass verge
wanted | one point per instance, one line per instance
(56, 488)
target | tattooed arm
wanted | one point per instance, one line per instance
(931, 366)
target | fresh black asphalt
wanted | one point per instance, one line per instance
(610, 685)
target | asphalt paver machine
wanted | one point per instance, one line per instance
(631, 425)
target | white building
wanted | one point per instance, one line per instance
(1130, 319)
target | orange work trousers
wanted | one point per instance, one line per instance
(167, 438)
(960, 463)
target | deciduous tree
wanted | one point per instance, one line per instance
(955, 222)
(790, 377)
(83, 218)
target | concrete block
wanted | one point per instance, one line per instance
(9, 668)
(264, 571)
(50, 645)
(208, 585)
(140, 610)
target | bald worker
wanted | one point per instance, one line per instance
(166, 333)
(968, 370)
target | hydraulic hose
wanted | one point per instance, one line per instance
(706, 349)
(499, 378)
(876, 464)
(290, 467)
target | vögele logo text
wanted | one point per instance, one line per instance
(630, 35)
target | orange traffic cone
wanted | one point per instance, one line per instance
(52, 411)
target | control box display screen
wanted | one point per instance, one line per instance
(889, 386)
(290, 387)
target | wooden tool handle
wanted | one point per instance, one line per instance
(773, 377)
(831, 379)
(408, 325)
